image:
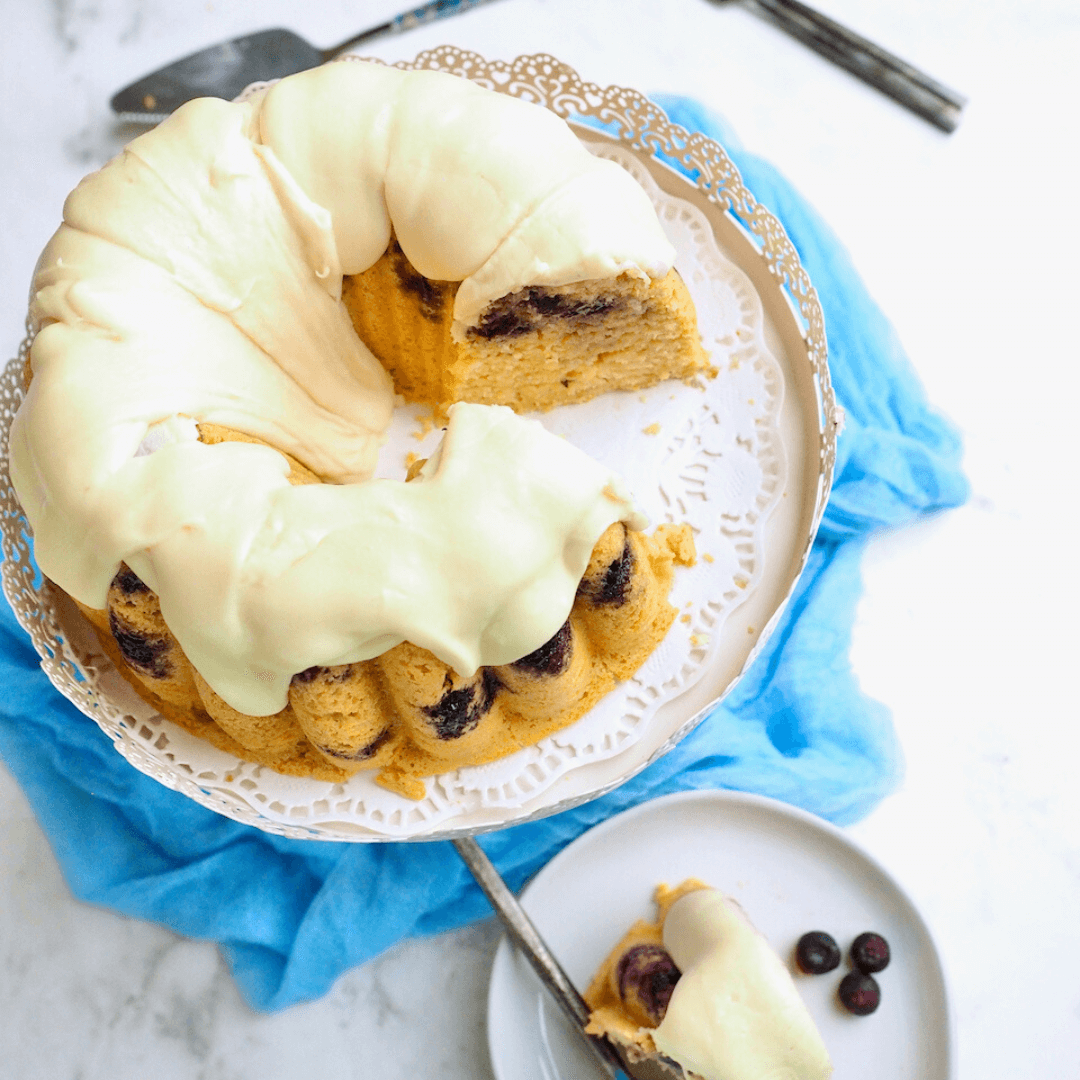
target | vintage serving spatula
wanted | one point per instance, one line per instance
(521, 931)
(224, 70)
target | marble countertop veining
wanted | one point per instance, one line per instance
(966, 629)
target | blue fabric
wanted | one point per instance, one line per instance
(290, 916)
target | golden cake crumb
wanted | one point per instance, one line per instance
(428, 423)
(680, 539)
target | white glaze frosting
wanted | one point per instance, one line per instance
(735, 1013)
(198, 276)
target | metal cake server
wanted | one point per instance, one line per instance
(527, 938)
(905, 84)
(224, 70)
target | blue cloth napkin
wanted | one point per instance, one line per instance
(290, 916)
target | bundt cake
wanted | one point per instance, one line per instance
(702, 987)
(223, 320)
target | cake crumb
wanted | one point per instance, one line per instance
(697, 380)
(427, 425)
(699, 640)
(686, 618)
(652, 429)
(679, 540)
(707, 557)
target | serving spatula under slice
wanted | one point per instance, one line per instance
(520, 929)
(224, 70)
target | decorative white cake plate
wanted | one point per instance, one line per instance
(789, 871)
(745, 458)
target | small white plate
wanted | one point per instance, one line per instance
(790, 871)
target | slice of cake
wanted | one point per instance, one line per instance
(702, 987)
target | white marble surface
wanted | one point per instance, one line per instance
(967, 627)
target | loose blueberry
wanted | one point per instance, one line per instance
(817, 952)
(870, 953)
(859, 993)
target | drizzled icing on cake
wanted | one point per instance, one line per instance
(198, 275)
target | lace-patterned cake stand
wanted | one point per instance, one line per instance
(746, 458)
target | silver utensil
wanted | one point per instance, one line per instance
(224, 70)
(909, 86)
(527, 938)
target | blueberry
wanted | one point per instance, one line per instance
(817, 952)
(553, 657)
(646, 977)
(870, 953)
(859, 993)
